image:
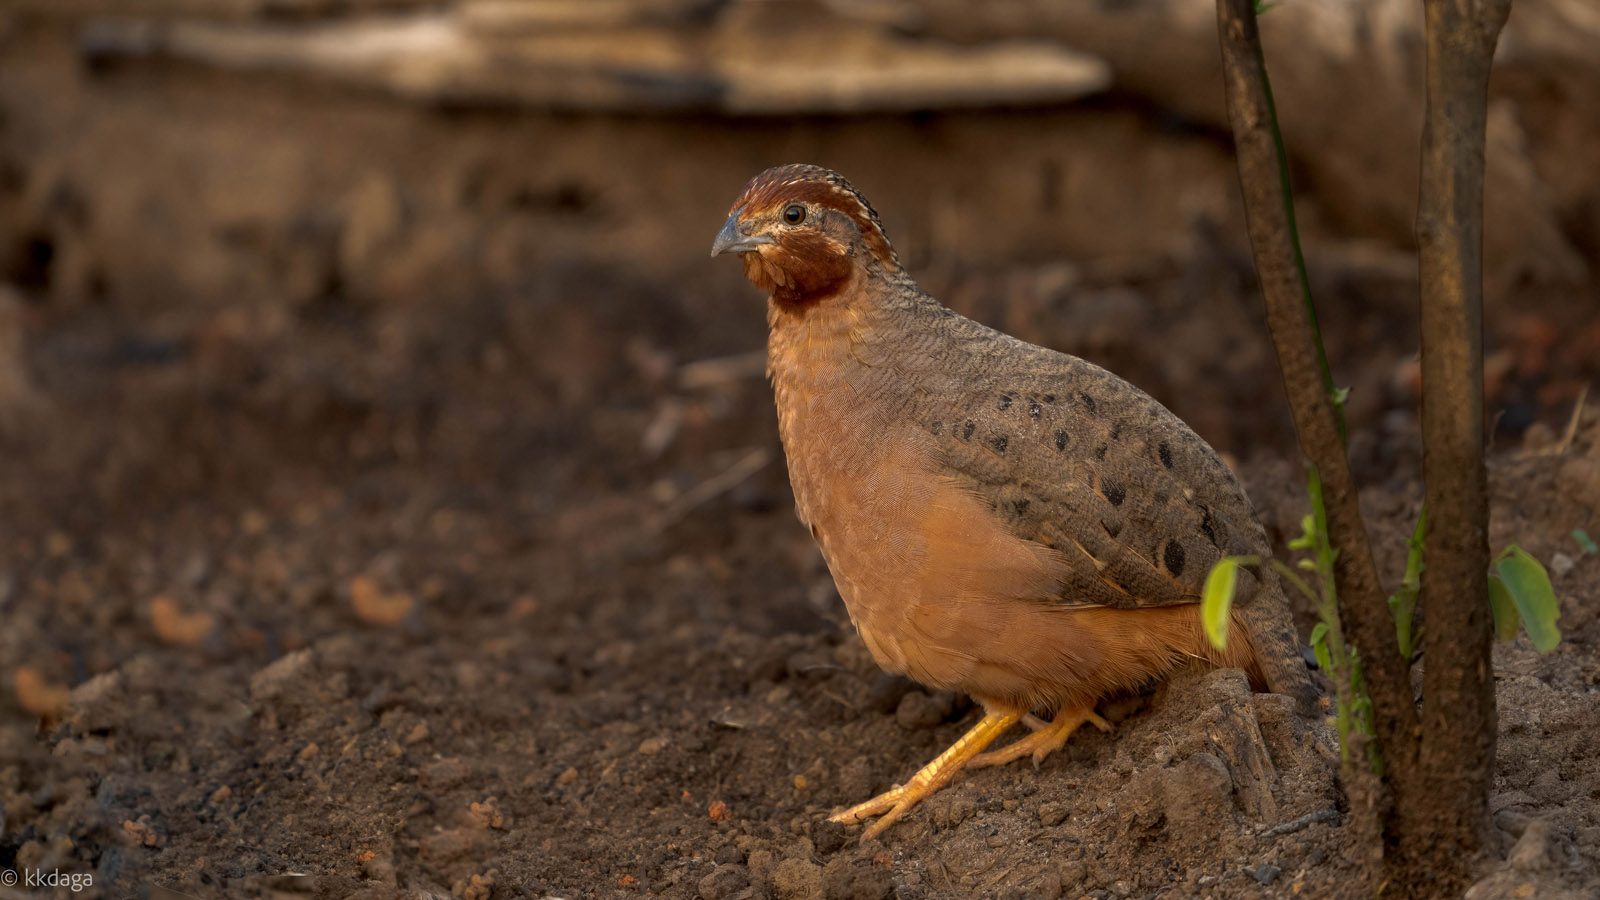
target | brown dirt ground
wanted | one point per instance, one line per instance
(361, 486)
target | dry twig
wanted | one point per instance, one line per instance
(745, 466)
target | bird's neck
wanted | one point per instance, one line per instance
(809, 345)
(847, 337)
(817, 340)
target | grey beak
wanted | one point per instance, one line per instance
(731, 240)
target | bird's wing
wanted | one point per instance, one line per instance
(1072, 457)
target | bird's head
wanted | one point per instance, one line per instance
(803, 231)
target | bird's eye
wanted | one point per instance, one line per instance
(795, 214)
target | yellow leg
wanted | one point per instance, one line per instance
(895, 802)
(1044, 741)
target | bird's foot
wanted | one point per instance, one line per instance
(895, 802)
(1044, 741)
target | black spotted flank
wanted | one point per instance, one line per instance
(1172, 556)
(1088, 402)
(1034, 409)
(1112, 525)
(1165, 453)
(1113, 492)
(1210, 531)
(1048, 398)
(937, 428)
(967, 429)
(1005, 402)
(1100, 452)
(1061, 441)
(1000, 443)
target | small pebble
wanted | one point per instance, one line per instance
(1266, 873)
(444, 846)
(1052, 813)
(847, 878)
(797, 879)
(919, 710)
(38, 694)
(887, 690)
(730, 854)
(1531, 852)
(487, 814)
(761, 864)
(724, 881)
(1073, 872)
(952, 811)
(279, 677)
(828, 836)
(451, 771)
(1560, 565)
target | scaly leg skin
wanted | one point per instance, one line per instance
(896, 802)
(1044, 741)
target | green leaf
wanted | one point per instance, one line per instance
(1529, 586)
(1584, 541)
(1308, 534)
(1506, 621)
(1216, 601)
(1319, 646)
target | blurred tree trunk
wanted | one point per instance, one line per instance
(1449, 828)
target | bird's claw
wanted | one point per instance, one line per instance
(892, 804)
(871, 807)
(1044, 741)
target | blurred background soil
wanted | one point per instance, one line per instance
(390, 497)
